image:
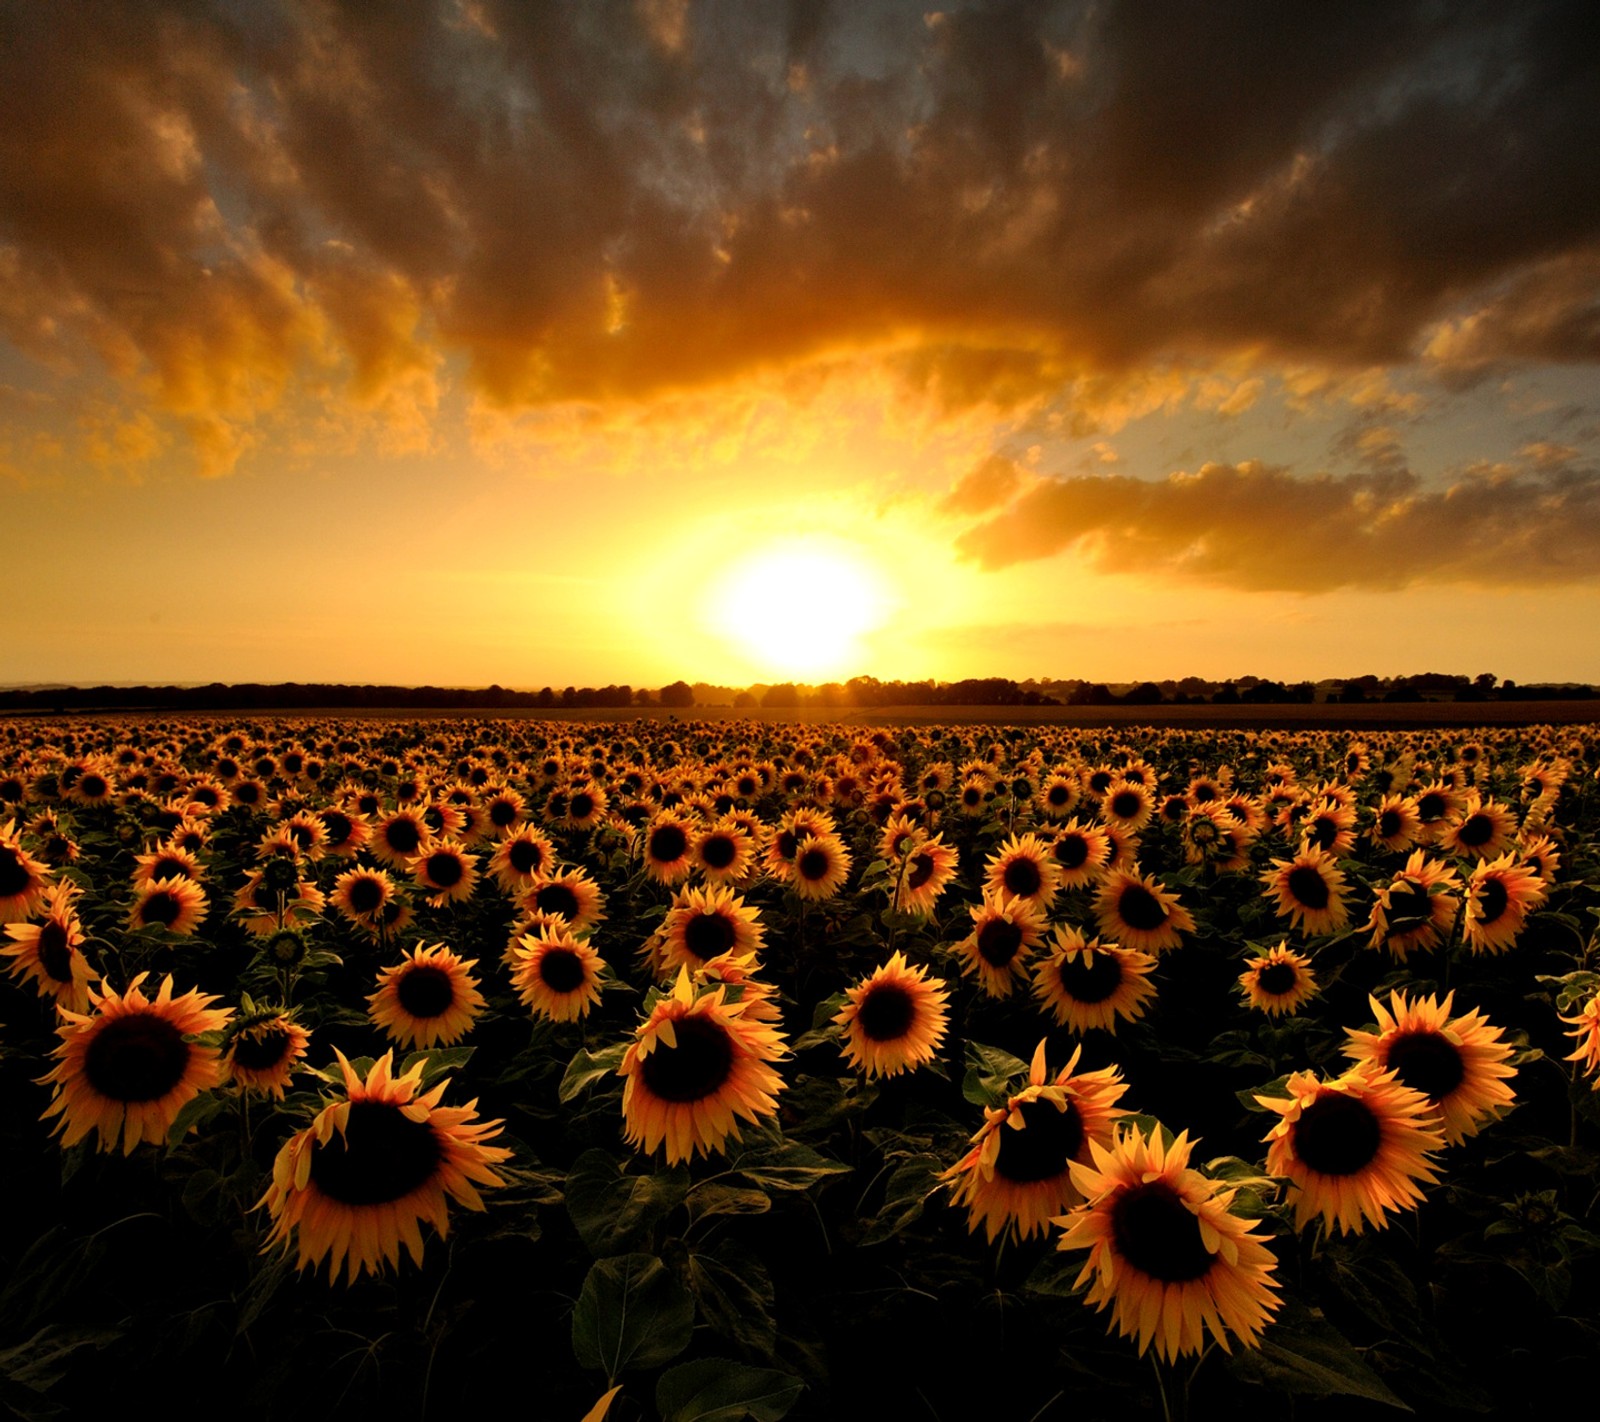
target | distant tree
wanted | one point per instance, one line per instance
(1485, 681)
(678, 693)
(745, 701)
(644, 697)
(784, 694)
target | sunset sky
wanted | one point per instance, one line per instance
(475, 341)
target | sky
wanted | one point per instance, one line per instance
(476, 341)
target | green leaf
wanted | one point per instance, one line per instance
(719, 1390)
(778, 1164)
(990, 1073)
(913, 1183)
(735, 1295)
(631, 1313)
(588, 1067)
(614, 1212)
(1277, 1088)
(716, 1198)
(1306, 1355)
(438, 1061)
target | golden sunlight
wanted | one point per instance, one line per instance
(799, 608)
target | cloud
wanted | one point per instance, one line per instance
(1253, 526)
(1019, 205)
(991, 484)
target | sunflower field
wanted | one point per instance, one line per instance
(707, 1070)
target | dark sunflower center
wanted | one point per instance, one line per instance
(1476, 832)
(525, 856)
(1022, 878)
(920, 871)
(1426, 1062)
(557, 898)
(1410, 906)
(136, 1057)
(366, 895)
(694, 1069)
(1202, 793)
(169, 868)
(1431, 807)
(1090, 977)
(788, 843)
(1140, 909)
(403, 836)
(55, 951)
(260, 1051)
(161, 907)
(886, 1012)
(1493, 900)
(14, 876)
(1323, 832)
(708, 935)
(445, 870)
(999, 942)
(1057, 796)
(1277, 978)
(1041, 1149)
(425, 991)
(813, 865)
(1100, 782)
(668, 843)
(1126, 804)
(502, 813)
(1336, 1135)
(382, 1156)
(1308, 887)
(338, 825)
(581, 806)
(1389, 824)
(1159, 1235)
(1072, 850)
(560, 969)
(93, 786)
(718, 851)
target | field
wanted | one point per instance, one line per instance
(717, 1067)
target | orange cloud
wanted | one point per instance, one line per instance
(1256, 527)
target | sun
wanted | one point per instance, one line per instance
(799, 608)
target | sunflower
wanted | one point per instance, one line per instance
(1397, 825)
(724, 853)
(1331, 827)
(168, 862)
(1128, 804)
(1022, 868)
(360, 895)
(505, 809)
(344, 834)
(129, 1066)
(573, 895)
(894, 1019)
(446, 873)
(821, 866)
(1415, 911)
(928, 868)
(783, 847)
(1355, 1148)
(1211, 834)
(556, 974)
(1018, 1174)
(1135, 911)
(400, 836)
(1481, 829)
(397, 1157)
(1436, 802)
(696, 1065)
(428, 1000)
(264, 907)
(1091, 984)
(48, 952)
(22, 877)
(1082, 853)
(261, 1047)
(668, 841)
(703, 924)
(1585, 1033)
(176, 905)
(1279, 982)
(1004, 934)
(1541, 854)
(1166, 1254)
(1458, 1063)
(520, 858)
(1501, 893)
(1310, 891)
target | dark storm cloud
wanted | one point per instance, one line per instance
(616, 198)
(1255, 527)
